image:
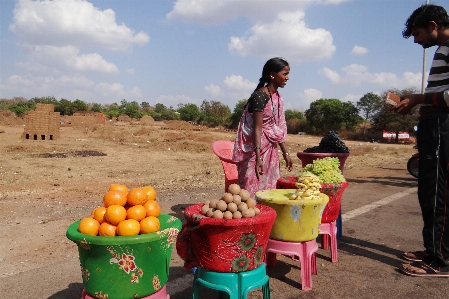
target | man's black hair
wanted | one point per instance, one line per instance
(423, 15)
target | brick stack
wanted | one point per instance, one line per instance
(42, 123)
(87, 118)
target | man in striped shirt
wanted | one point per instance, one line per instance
(429, 26)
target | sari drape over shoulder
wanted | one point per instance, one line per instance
(274, 131)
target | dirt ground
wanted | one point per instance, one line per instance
(47, 185)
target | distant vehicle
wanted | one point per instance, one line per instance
(301, 133)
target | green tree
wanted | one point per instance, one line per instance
(237, 113)
(79, 105)
(64, 107)
(146, 107)
(18, 105)
(368, 106)
(161, 112)
(112, 110)
(215, 113)
(290, 114)
(96, 107)
(132, 109)
(386, 119)
(331, 114)
(46, 100)
(189, 112)
(159, 108)
(351, 117)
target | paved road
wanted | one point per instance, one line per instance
(381, 220)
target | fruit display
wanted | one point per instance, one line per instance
(326, 169)
(308, 187)
(330, 143)
(123, 213)
(234, 204)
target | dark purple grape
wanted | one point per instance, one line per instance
(330, 143)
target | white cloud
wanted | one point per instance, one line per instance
(213, 90)
(219, 11)
(68, 58)
(237, 88)
(130, 71)
(237, 83)
(36, 86)
(69, 87)
(116, 92)
(356, 74)
(135, 94)
(331, 75)
(358, 50)
(310, 95)
(288, 36)
(72, 22)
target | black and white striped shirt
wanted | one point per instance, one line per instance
(437, 90)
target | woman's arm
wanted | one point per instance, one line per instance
(258, 120)
(286, 155)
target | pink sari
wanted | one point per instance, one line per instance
(274, 131)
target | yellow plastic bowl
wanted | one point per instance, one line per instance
(296, 220)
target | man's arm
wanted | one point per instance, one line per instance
(408, 102)
(438, 99)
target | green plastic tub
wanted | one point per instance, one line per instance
(126, 267)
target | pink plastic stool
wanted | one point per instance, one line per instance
(304, 250)
(329, 231)
(161, 294)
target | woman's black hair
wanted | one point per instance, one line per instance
(274, 65)
(423, 15)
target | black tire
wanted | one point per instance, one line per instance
(413, 166)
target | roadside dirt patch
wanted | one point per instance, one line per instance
(45, 185)
(72, 154)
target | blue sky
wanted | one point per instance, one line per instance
(187, 51)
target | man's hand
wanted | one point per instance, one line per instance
(408, 102)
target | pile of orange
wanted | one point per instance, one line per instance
(124, 213)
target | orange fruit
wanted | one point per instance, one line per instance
(89, 226)
(137, 212)
(149, 224)
(119, 187)
(98, 214)
(153, 208)
(151, 193)
(115, 197)
(137, 196)
(115, 214)
(128, 227)
(107, 229)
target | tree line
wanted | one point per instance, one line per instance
(323, 114)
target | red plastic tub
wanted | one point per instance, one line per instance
(224, 245)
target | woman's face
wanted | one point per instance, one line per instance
(280, 79)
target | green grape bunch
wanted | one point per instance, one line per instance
(326, 169)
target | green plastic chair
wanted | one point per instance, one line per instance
(236, 285)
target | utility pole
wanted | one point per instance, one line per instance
(423, 81)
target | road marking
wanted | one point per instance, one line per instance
(376, 204)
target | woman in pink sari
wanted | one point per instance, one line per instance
(261, 129)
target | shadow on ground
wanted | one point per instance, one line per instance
(74, 290)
